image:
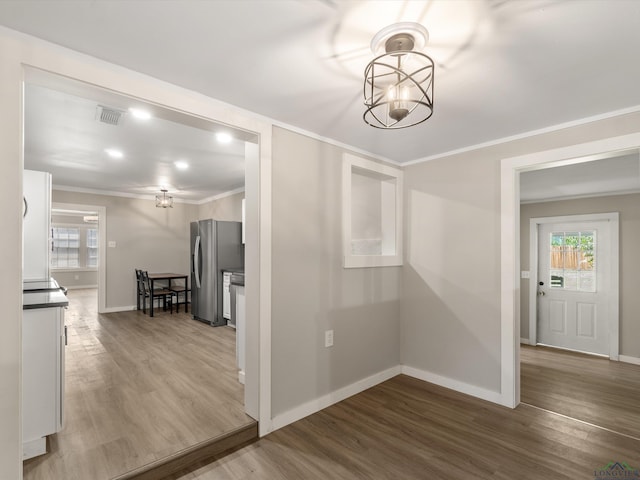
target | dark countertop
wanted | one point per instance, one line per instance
(44, 299)
(40, 285)
(233, 270)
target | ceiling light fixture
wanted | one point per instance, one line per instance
(181, 165)
(113, 153)
(398, 84)
(224, 137)
(140, 114)
(164, 200)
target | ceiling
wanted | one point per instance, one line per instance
(503, 68)
(64, 135)
(618, 173)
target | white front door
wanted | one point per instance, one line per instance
(574, 284)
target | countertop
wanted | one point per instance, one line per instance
(40, 285)
(43, 299)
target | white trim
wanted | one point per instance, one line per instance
(524, 340)
(629, 359)
(264, 228)
(510, 169)
(109, 193)
(336, 396)
(35, 55)
(102, 241)
(510, 282)
(127, 308)
(453, 384)
(530, 133)
(580, 197)
(358, 261)
(613, 219)
(220, 195)
(79, 287)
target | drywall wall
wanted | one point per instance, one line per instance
(450, 308)
(227, 208)
(312, 291)
(146, 237)
(629, 208)
(11, 167)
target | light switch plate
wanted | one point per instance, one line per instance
(112, 244)
(328, 338)
(524, 274)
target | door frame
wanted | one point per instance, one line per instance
(613, 306)
(510, 169)
(102, 245)
(31, 58)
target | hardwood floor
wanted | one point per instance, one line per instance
(408, 429)
(589, 388)
(139, 389)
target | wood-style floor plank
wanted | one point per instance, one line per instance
(408, 429)
(139, 389)
(590, 388)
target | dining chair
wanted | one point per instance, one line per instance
(139, 291)
(184, 291)
(158, 293)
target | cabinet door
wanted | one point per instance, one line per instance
(36, 225)
(41, 376)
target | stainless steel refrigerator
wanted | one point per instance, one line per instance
(215, 246)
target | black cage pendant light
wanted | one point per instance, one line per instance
(398, 84)
(164, 200)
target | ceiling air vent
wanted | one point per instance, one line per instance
(111, 116)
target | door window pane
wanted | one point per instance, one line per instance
(572, 259)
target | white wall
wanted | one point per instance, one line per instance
(451, 322)
(227, 208)
(313, 292)
(147, 238)
(11, 167)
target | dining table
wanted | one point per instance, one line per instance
(165, 277)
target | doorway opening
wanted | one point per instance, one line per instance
(515, 298)
(573, 283)
(110, 279)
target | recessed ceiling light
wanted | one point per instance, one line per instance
(224, 137)
(181, 165)
(140, 114)
(113, 153)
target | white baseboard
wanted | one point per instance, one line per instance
(629, 359)
(119, 309)
(79, 287)
(325, 401)
(456, 385)
(524, 340)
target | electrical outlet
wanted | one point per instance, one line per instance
(328, 338)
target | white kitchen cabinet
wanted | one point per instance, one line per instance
(36, 225)
(43, 344)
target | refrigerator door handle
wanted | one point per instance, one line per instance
(196, 261)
